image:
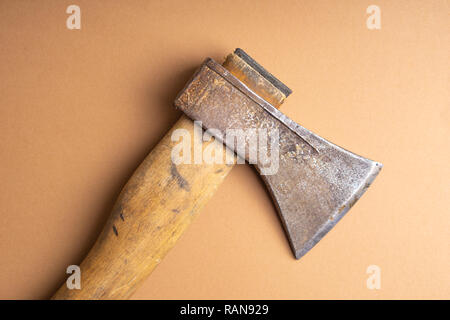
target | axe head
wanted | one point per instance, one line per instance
(316, 182)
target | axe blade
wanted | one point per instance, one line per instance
(316, 182)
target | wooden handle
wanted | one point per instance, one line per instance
(156, 206)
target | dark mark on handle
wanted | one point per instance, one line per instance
(115, 231)
(182, 183)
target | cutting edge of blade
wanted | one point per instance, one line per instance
(339, 213)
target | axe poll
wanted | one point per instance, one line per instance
(315, 184)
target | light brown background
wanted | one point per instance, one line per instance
(80, 109)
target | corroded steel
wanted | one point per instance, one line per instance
(317, 182)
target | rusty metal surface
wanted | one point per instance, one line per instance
(317, 182)
(256, 80)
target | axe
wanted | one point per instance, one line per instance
(315, 184)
